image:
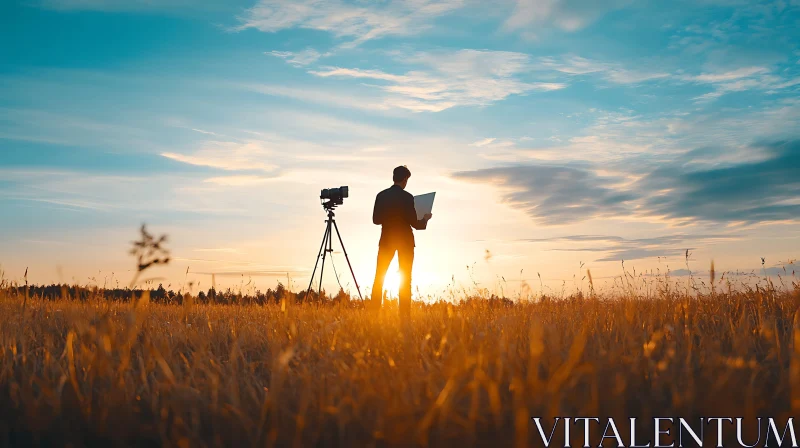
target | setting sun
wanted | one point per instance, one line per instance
(391, 285)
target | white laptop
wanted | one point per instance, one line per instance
(424, 204)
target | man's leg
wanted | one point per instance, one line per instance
(385, 255)
(405, 258)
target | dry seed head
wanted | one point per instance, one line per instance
(712, 273)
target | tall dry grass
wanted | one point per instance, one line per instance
(102, 373)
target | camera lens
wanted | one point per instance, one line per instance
(334, 196)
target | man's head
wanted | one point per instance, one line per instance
(401, 175)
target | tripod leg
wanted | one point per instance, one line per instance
(324, 253)
(348, 260)
(314, 272)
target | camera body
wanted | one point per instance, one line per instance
(334, 196)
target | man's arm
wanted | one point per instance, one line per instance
(411, 215)
(377, 211)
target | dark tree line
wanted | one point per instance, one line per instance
(212, 296)
(162, 295)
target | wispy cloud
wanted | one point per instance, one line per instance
(318, 96)
(359, 21)
(83, 190)
(484, 142)
(618, 248)
(298, 59)
(738, 80)
(72, 203)
(615, 73)
(461, 78)
(610, 138)
(568, 16)
(744, 72)
(722, 81)
(294, 140)
(230, 156)
(201, 131)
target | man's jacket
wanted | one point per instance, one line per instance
(394, 211)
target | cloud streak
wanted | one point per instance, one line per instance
(462, 78)
(618, 248)
(554, 195)
(318, 96)
(298, 59)
(570, 15)
(358, 21)
(229, 156)
(754, 191)
(574, 65)
(722, 81)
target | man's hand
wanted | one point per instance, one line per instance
(427, 216)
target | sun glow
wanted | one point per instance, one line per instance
(391, 285)
(422, 281)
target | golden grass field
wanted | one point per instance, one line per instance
(119, 374)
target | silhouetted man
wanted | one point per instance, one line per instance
(394, 211)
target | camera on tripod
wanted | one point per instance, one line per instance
(334, 196)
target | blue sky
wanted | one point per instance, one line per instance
(556, 134)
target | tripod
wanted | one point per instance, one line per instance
(327, 247)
